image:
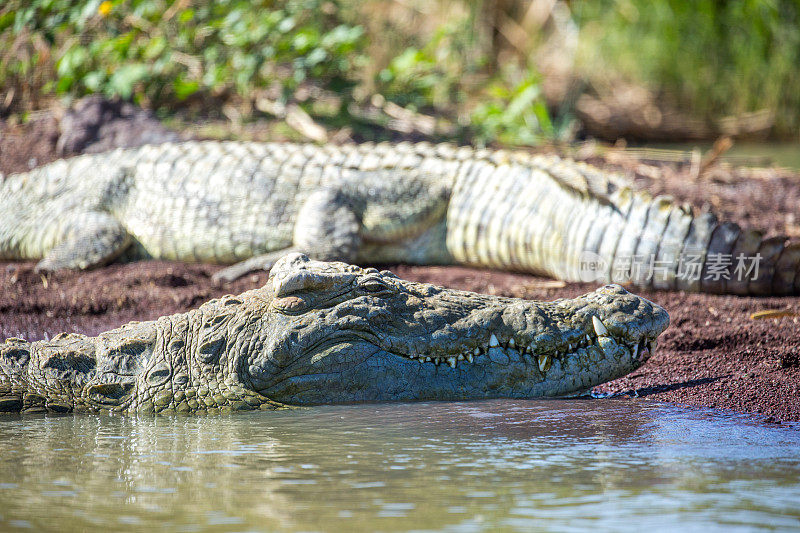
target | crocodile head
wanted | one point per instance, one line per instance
(336, 333)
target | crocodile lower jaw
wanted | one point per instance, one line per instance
(542, 357)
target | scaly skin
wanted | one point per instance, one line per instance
(335, 333)
(250, 203)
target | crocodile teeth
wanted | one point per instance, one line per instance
(511, 343)
(635, 352)
(427, 359)
(648, 347)
(544, 362)
(469, 357)
(460, 357)
(493, 341)
(476, 351)
(599, 327)
(451, 361)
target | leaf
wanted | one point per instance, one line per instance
(184, 89)
(94, 81)
(70, 62)
(521, 102)
(64, 84)
(185, 16)
(124, 78)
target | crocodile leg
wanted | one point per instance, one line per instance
(88, 240)
(259, 262)
(389, 220)
(328, 228)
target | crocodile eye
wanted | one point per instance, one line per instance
(374, 286)
(290, 304)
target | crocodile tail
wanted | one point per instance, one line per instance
(663, 245)
(658, 243)
(743, 261)
(575, 222)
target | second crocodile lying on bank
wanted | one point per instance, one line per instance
(335, 333)
(225, 202)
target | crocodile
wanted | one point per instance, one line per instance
(246, 204)
(330, 332)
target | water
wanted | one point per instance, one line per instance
(744, 153)
(607, 465)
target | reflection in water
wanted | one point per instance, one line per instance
(611, 464)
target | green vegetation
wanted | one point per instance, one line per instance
(472, 64)
(452, 72)
(713, 58)
(176, 54)
(163, 53)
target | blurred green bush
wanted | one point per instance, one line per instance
(711, 58)
(471, 63)
(163, 52)
(173, 54)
